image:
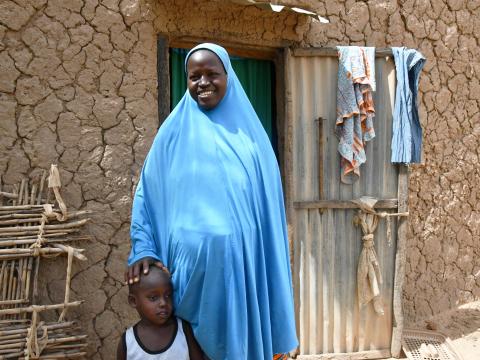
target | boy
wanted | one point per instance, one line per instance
(158, 334)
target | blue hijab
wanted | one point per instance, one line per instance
(209, 205)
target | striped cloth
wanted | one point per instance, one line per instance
(355, 109)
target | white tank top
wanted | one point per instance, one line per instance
(176, 350)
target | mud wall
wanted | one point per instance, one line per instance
(78, 87)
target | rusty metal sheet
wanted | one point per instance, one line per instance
(326, 243)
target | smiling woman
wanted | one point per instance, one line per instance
(206, 79)
(256, 74)
(209, 206)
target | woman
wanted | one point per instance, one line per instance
(209, 206)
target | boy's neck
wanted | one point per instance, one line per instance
(146, 324)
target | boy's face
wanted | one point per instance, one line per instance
(152, 297)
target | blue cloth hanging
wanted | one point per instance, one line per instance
(407, 130)
(209, 205)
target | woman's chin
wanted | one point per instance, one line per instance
(207, 103)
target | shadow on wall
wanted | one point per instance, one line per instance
(456, 323)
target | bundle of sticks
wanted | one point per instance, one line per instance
(34, 226)
(63, 341)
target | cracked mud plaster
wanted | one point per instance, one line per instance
(78, 87)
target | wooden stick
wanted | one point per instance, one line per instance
(24, 277)
(66, 346)
(12, 323)
(49, 327)
(26, 211)
(10, 281)
(67, 339)
(341, 204)
(400, 261)
(329, 51)
(33, 232)
(35, 279)
(20, 278)
(13, 355)
(15, 344)
(33, 193)
(67, 225)
(76, 252)
(25, 195)
(8, 195)
(24, 219)
(28, 277)
(7, 242)
(8, 354)
(21, 207)
(20, 193)
(20, 221)
(2, 271)
(43, 251)
(64, 355)
(17, 215)
(6, 338)
(4, 280)
(42, 183)
(13, 301)
(13, 209)
(15, 191)
(51, 235)
(39, 308)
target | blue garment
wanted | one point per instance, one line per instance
(209, 205)
(407, 130)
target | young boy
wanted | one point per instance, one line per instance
(158, 334)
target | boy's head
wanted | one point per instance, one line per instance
(152, 296)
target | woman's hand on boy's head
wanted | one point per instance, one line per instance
(132, 274)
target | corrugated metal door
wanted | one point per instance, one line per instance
(326, 244)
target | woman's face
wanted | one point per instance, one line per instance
(206, 79)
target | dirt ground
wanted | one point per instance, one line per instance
(462, 326)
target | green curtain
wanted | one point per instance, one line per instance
(256, 76)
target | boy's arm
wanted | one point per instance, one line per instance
(194, 349)
(121, 348)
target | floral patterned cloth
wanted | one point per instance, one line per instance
(355, 110)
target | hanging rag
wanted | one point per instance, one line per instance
(407, 130)
(369, 276)
(370, 55)
(355, 110)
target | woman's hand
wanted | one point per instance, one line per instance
(132, 274)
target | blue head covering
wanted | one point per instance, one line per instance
(209, 205)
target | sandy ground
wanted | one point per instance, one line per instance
(462, 326)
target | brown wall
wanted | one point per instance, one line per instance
(78, 86)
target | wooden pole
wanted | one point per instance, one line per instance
(39, 308)
(400, 259)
